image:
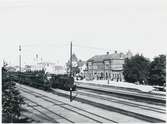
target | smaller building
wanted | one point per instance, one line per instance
(52, 68)
(17, 68)
(10, 69)
(49, 67)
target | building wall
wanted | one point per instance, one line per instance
(108, 69)
(107, 66)
(48, 67)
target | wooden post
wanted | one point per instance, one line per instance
(71, 59)
(71, 70)
(70, 94)
(20, 58)
(20, 64)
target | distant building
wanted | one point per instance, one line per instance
(17, 68)
(49, 67)
(107, 66)
(33, 67)
(52, 68)
(10, 69)
(28, 67)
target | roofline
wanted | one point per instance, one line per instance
(105, 60)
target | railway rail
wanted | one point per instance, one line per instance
(112, 108)
(71, 108)
(122, 97)
(121, 101)
(118, 88)
(48, 110)
(42, 115)
(150, 98)
(135, 115)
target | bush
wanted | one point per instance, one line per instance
(11, 99)
(136, 69)
(158, 71)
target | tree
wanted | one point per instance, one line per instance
(136, 69)
(11, 99)
(74, 70)
(75, 66)
(157, 75)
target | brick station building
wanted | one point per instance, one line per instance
(107, 66)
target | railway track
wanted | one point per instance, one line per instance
(117, 109)
(71, 108)
(118, 88)
(48, 110)
(41, 114)
(144, 97)
(122, 101)
(106, 107)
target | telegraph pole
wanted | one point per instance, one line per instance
(20, 57)
(71, 70)
(71, 59)
(20, 65)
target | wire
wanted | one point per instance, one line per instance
(55, 45)
(45, 45)
(90, 47)
(63, 45)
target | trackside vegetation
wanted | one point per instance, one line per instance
(142, 70)
(11, 99)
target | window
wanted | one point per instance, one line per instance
(89, 67)
(107, 64)
(89, 63)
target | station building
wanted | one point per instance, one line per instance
(107, 66)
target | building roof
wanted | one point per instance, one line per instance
(10, 68)
(81, 63)
(100, 58)
(45, 63)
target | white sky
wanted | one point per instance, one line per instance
(46, 27)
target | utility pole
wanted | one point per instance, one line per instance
(71, 59)
(20, 65)
(71, 70)
(20, 57)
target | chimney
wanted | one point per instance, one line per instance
(107, 53)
